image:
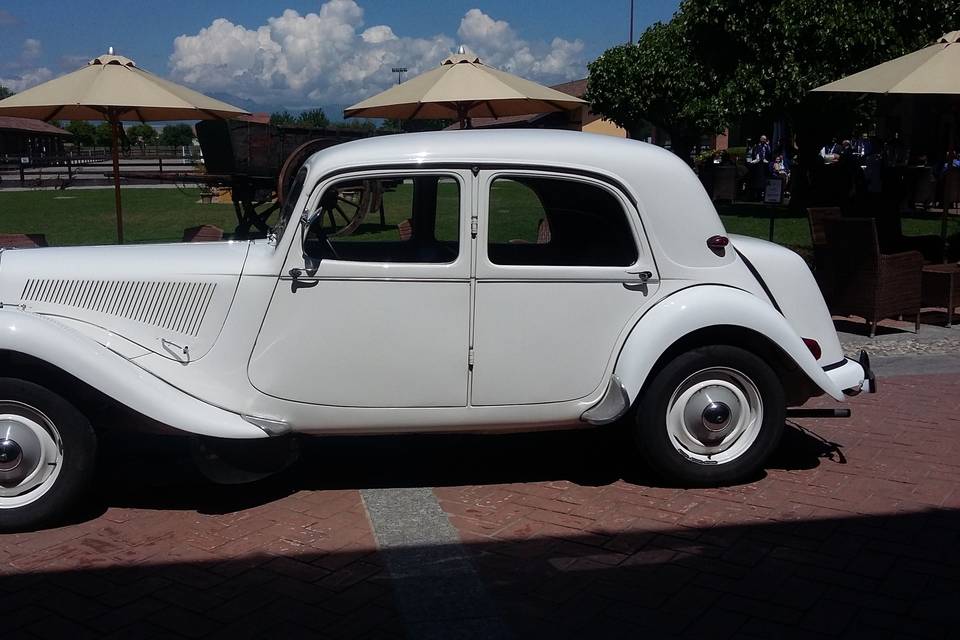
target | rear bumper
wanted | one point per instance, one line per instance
(853, 376)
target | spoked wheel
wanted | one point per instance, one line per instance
(711, 416)
(47, 451)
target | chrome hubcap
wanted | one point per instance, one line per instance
(11, 455)
(714, 416)
(30, 454)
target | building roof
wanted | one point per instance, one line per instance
(28, 125)
(576, 88)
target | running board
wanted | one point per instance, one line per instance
(818, 413)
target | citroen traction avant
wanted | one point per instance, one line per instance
(531, 280)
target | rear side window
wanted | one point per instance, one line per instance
(557, 222)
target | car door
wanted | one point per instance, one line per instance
(372, 309)
(562, 268)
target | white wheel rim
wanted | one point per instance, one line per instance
(29, 476)
(714, 416)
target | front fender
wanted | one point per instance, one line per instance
(700, 307)
(116, 377)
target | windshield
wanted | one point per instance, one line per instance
(291, 202)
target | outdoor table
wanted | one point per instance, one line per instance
(940, 287)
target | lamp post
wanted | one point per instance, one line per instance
(631, 21)
(399, 71)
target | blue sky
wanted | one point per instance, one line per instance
(274, 53)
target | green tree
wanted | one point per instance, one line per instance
(142, 133)
(769, 53)
(5, 92)
(83, 133)
(313, 118)
(176, 135)
(661, 81)
(103, 135)
(282, 117)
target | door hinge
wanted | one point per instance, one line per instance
(473, 227)
(470, 357)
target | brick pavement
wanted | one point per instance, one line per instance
(853, 531)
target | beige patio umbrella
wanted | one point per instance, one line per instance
(462, 87)
(935, 69)
(114, 89)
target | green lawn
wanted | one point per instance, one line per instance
(83, 217)
(750, 219)
(87, 216)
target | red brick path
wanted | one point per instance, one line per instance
(863, 541)
(569, 536)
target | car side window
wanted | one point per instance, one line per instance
(557, 222)
(388, 219)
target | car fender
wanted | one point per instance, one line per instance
(700, 307)
(117, 377)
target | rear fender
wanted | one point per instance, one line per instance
(701, 307)
(116, 377)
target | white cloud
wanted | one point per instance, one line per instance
(22, 72)
(330, 57)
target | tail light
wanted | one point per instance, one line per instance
(814, 347)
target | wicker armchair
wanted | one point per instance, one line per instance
(22, 240)
(203, 233)
(819, 217)
(868, 283)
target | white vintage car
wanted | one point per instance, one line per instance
(475, 281)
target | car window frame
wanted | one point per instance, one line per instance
(333, 268)
(488, 269)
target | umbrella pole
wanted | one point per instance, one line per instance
(114, 130)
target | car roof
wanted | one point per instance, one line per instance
(676, 211)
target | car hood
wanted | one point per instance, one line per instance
(169, 299)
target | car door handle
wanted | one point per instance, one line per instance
(297, 283)
(644, 276)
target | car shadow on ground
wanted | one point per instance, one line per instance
(156, 472)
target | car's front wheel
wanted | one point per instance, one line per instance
(712, 415)
(47, 454)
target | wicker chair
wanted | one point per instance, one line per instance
(819, 217)
(203, 233)
(22, 240)
(868, 283)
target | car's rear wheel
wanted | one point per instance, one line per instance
(47, 455)
(712, 415)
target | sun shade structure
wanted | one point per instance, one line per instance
(935, 69)
(114, 89)
(462, 87)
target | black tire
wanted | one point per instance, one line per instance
(656, 445)
(79, 450)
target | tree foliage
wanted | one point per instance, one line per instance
(83, 133)
(103, 135)
(660, 80)
(770, 53)
(717, 61)
(313, 118)
(5, 92)
(176, 135)
(309, 118)
(142, 133)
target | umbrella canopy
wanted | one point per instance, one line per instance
(114, 89)
(931, 70)
(463, 87)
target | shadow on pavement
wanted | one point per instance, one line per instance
(889, 576)
(156, 472)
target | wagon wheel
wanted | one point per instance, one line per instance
(350, 206)
(292, 165)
